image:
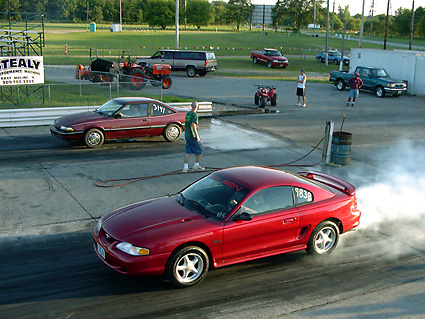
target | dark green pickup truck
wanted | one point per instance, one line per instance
(376, 80)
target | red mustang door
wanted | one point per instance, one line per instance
(273, 227)
(132, 120)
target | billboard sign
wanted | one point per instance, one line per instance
(22, 70)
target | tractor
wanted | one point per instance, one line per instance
(131, 75)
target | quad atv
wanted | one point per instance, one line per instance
(265, 94)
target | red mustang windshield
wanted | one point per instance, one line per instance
(213, 196)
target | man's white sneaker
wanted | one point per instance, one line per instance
(304, 105)
(185, 170)
(198, 168)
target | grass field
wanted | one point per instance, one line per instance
(231, 48)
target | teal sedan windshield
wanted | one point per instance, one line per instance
(109, 108)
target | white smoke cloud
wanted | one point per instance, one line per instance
(394, 205)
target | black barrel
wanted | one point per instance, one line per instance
(341, 148)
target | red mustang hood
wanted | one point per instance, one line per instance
(73, 119)
(146, 216)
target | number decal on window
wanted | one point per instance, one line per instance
(303, 195)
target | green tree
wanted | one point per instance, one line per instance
(199, 13)
(219, 8)
(160, 13)
(297, 13)
(419, 22)
(13, 6)
(402, 21)
(238, 12)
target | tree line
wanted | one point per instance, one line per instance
(286, 14)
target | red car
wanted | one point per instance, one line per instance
(121, 118)
(227, 217)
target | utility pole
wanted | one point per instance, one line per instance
(87, 21)
(412, 26)
(386, 25)
(341, 63)
(361, 27)
(177, 25)
(120, 17)
(372, 9)
(185, 15)
(314, 17)
(327, 35)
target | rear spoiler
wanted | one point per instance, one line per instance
(331, 181)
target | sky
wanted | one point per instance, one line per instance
(356, 5)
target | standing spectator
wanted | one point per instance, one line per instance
(301, 88)
(355, 83)
(193, 141)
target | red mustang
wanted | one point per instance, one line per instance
(121, 118)
(230, 216)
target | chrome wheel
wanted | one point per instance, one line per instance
(340, 85)
(93, 138)
(379, 91)
(172, 133)
(189, 268)
(325, 240)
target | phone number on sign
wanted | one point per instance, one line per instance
(6, 82)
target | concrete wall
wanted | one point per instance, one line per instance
(46, 116)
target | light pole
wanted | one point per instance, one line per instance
(386, 25)
(177, 24)
(314, 17)
(361, 27)
(327, 35)
(120, 17)
(412, 24)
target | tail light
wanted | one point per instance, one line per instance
(353, 210)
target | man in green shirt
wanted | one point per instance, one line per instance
(193, 141)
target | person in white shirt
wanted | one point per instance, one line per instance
(301, 88)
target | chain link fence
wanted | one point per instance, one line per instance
(83, 88)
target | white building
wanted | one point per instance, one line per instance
(400, 64)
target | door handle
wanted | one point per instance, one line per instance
(289, 220)
(143, 120)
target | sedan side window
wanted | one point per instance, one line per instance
(134, 110)
(269, 199)
(158, 109)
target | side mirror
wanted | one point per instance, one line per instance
(118, 116)
(244, 216)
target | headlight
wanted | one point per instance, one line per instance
(275, 61)
(390, 85)
(132, 250)
(99, 224)
(66, 128)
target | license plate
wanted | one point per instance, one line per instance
(399, 92)
(101, 251)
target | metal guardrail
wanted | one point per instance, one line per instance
(46, 116)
